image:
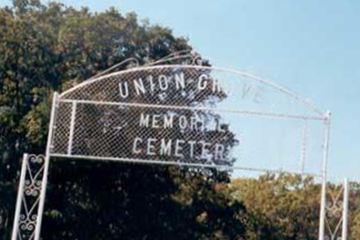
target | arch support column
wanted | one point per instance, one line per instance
(28, 197)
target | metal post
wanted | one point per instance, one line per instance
(345, 211)
(324, 176)
(19, 198)
(46, 169)
(72, 126)
(303, 147)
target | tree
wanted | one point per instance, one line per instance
(280, 207)
(46, 48)
(354, 211)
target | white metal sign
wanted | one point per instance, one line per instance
(176, 114)
(189, 115)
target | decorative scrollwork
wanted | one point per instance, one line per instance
(32, 184)
(27, 223)
(36, 158)
(185, 57)
(334, 209)
(197, 60)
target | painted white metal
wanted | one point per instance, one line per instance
(72, 125)
(28, 197)
(176, 107)
(344, 235)
(267, 82)
(318, 116)
(46, 169)
(126, 61)
(19, 197)
(200, 165)
(176, 57)
(303, 146)
(324, 176)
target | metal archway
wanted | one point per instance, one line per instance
(182, 115)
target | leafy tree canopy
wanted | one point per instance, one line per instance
(47, 48)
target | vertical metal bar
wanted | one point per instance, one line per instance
(72, 125)
(344, 234)
(19, 198)
(46, 168)
(324, 176)
(303, 147)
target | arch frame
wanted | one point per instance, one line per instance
(57, 98)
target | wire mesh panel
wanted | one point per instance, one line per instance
(189, 115)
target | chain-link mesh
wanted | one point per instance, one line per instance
(188, 115)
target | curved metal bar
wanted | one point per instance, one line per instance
(264, 81)
(168, 59)
(184, 54)
(178, 53)
(114, 67)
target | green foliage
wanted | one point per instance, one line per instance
(354, 205)
(46, 48)
(281, 207)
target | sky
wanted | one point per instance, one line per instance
(311, 47)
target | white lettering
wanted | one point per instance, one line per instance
(182, 122)
(144, 120)
(191, 145)
(139, 86)
(135, 145)
(150, 150)
(156, 120)
(163, 82)
(258, 95)
(179, 148)
(151, 82)
(124, 89)
(204, 149)
(179, 81)
(245, 90)
(219, 151)
(202, 81)
(168, 121)
(165, 147)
